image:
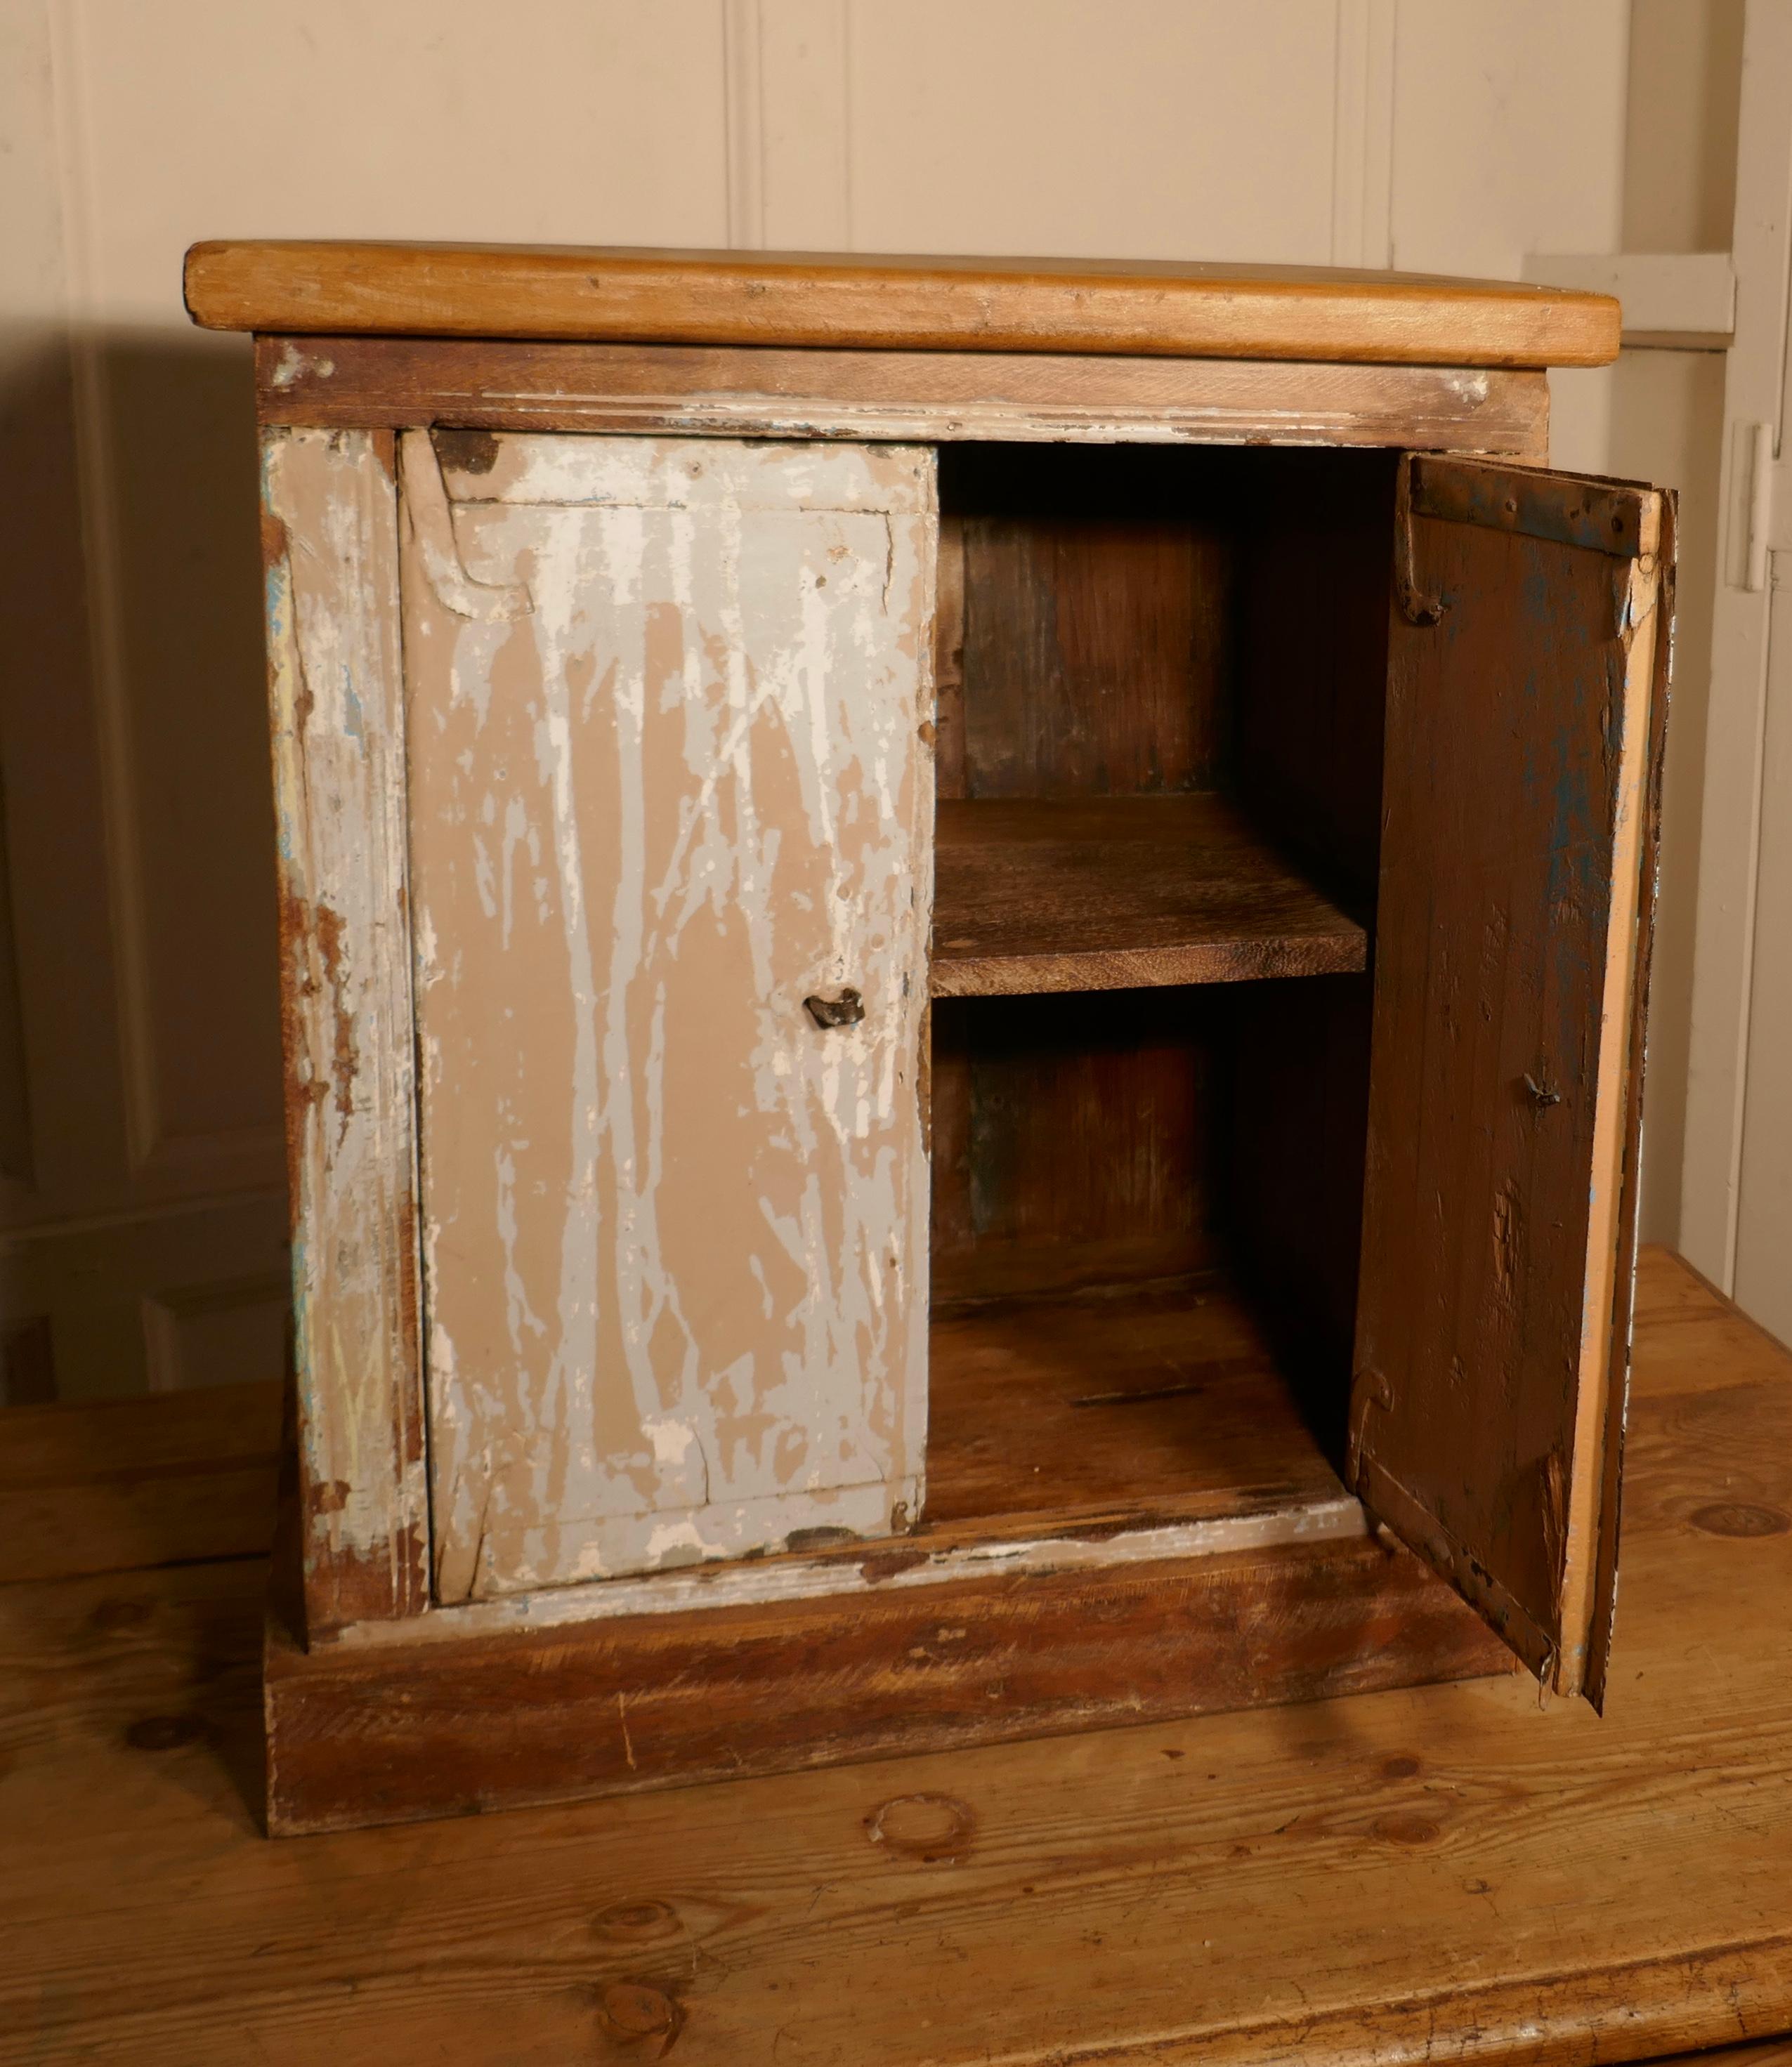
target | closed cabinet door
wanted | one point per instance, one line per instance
(670, 805)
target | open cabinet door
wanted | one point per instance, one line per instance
(1511, 949)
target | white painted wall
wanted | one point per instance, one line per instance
(1667, 425)
(1736, 1207)
(1444, 135)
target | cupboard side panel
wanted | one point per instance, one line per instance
(668, 782)
(330, 525)
(1505, 939)
(1313, 599)
(1313, 591)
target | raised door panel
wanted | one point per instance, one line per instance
(1511, 933)
(670, 806)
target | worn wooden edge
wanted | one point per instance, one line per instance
(329, 544)
(1388, 1499)
(984, 304)
(401, 1730)
(1003, 1547)
(1343, 950)
(1767, 2052)
(1604, 1362)
(1661, 2007)
(351, 382)
(1629, 1209)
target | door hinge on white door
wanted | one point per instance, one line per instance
(1765, 503)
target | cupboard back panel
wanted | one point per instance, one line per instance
(1072, 1140)
(664, 702)
(1127, 621)
(1091, 646)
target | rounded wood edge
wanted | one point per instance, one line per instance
(664, 298)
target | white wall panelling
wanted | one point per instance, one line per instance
(1362, 135)
(1448, 136)
(1672, 300)
(1748, 625)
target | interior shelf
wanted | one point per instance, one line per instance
(1114, 893)
(1145, 1403)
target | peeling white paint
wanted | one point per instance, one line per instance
(338, 789)
(1338, 1518)
(675, 1232)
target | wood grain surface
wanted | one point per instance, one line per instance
(1150, 1402)
(1629, 1200)
(1075, 1140)
(392, 1732)
(1149, 306)
(1116, 893)
(1505, 947)
(1391, 1878)
(131, 1484)
(748, 391)
(1096, 630)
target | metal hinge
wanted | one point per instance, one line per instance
(1762, 510)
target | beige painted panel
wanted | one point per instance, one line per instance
(667, 781)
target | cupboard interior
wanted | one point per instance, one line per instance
(1161, 678)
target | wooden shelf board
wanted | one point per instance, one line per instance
(1151, 1403)
(1118, 893)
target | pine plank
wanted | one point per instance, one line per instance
(125, 1485)
(1112, 893)
(1145, 1402)
(759, 390)
(1387, 1879)
(1222, 310)
(1073, 1142)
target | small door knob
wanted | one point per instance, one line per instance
(845, 1009)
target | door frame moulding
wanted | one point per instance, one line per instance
(1729, 937)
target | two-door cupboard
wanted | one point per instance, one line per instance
(964, 950)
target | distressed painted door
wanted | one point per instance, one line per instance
(670, 800)
(1527, 680)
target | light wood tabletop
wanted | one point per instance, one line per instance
(1448, 1872)
(1155, 308)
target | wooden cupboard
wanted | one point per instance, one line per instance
(963, 950)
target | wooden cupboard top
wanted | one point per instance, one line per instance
(1165, 308)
